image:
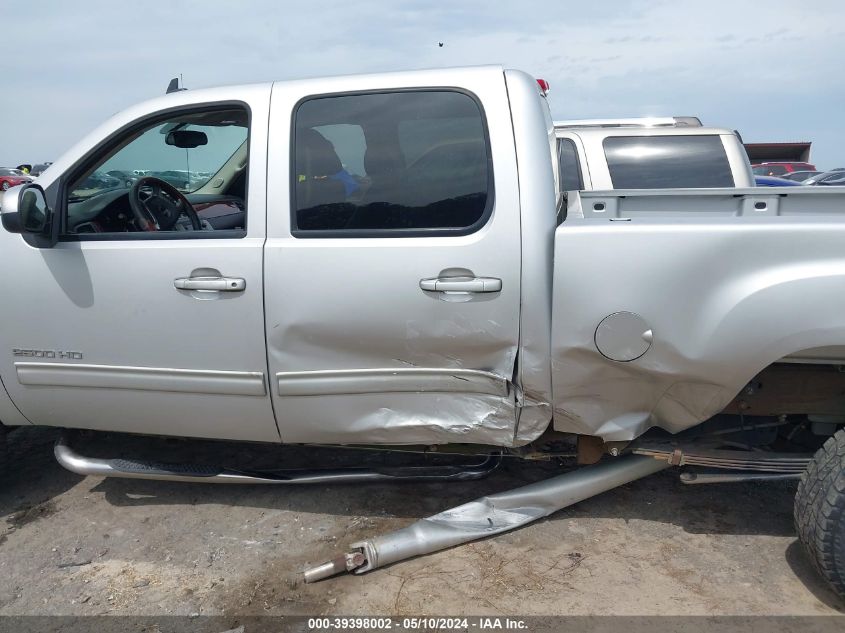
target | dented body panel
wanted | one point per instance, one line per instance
(723, 295)
(536, 155)
(357, 350)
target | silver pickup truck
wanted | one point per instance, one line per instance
(387, 260)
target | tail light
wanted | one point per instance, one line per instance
(544, 86)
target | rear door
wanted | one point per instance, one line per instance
(392, 265)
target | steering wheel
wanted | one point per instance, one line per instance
(157, 205)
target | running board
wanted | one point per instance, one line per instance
(140, 469)
(488, 515)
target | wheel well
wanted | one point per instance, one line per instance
(807, 398)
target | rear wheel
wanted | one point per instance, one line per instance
(5, 185)
(820, 511)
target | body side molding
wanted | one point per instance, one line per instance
(236, 383)
(398, 380)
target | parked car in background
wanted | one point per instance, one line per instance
(99, 181)
(832, 178)
(39, 168)
(801, 176)
(12, 177)
(178, 178)
(127, 177)
(648, 153)
(780, 168)
(774, 181)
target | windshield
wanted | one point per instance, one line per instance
(186, 152)
(11, 172)
(836, 178)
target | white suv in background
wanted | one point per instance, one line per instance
(649, 153)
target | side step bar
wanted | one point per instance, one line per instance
(138, 469)
(488, 515)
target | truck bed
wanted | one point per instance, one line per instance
(715, 285)
(706, 203)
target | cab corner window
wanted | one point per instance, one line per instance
(391, 163)
(179, 176)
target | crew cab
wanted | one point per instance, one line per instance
(388, 260)
(649, 153)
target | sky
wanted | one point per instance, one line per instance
(772, 70)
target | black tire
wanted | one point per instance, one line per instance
(820, 511)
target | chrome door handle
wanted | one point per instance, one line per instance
(221, 284)
(461, 284)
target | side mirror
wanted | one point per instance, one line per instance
(186, 139)
(24, 210)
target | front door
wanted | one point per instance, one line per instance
(147, 316)
(393, 275)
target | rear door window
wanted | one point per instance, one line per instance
(403, 163)
(666, 162)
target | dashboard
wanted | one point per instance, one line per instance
(109, 212)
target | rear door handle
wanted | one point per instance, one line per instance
(221, 284)
(461, 284)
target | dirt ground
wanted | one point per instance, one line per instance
(81, 546)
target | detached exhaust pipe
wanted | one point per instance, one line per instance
(488, 515)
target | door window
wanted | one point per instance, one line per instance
(172, 177)
(403, 163)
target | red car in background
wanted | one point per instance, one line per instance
(12, 177)
(779, 169)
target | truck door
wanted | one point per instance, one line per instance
(147, 316)
(392, 263)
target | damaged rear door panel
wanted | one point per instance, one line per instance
(393, 318)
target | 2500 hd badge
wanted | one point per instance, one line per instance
(46, 353)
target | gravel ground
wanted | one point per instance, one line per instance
(81, 546)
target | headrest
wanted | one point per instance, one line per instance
(315, 154)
